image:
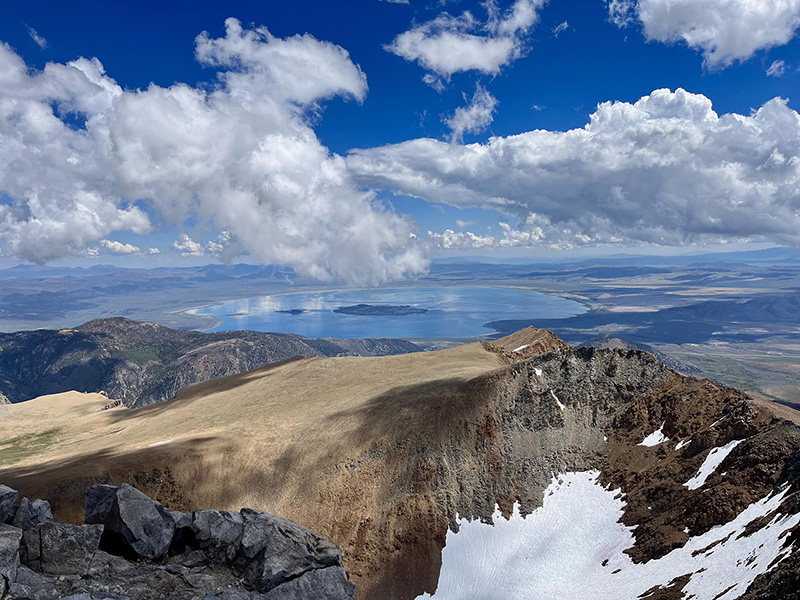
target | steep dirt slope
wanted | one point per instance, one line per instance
(380, 454)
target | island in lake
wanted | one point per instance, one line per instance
(292, 311)
(383, 310)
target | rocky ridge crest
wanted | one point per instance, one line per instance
(133, 548)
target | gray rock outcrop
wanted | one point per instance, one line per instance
(7, 499)
(132, 548)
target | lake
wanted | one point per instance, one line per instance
(454, 312)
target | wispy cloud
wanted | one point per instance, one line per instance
(40, 41)
(560, 28)
(473, 118)
(776, 69)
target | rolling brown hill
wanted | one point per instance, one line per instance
(381, 454)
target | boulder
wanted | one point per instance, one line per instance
(32, 586)
(134, 524)
(183, 537)
(279, 550)
(32, 512)
(323, 584)
(10, 538)
(67, 549)
(218, 531)
(8, 498)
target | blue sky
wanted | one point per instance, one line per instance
(569, 59)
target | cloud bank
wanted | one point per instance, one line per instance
(81, 158)
(665, 170)
(725, 31)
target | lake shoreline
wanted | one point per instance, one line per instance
(435, 312)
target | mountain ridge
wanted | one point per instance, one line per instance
(141, 363)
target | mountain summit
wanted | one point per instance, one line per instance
(461, 473)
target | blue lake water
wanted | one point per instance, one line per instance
(459, 312)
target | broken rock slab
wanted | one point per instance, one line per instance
(10, 538)
(134, 524)
(31, 513)
(66, 549)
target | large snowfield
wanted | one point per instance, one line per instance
(572, 548)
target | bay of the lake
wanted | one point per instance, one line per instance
(452, 312)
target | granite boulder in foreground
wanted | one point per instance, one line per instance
(132, 547)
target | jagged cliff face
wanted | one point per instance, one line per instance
(141, 363)
(382, 455)
(610, 341)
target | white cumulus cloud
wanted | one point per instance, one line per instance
(238, 156)
(475, 116)
(186, 246)
(115, 247)
(462, 240)
(725, 31)
(665, 170)
(451, 44)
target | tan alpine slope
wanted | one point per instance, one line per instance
(379, 454)
(292, 437)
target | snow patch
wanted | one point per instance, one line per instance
(712, 461)
(520, 348)
(683, 444)
(561, 406)
(655, 438)
(162, 443)
(538, 372)
(572, 547)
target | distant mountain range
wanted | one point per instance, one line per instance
(143, 363)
